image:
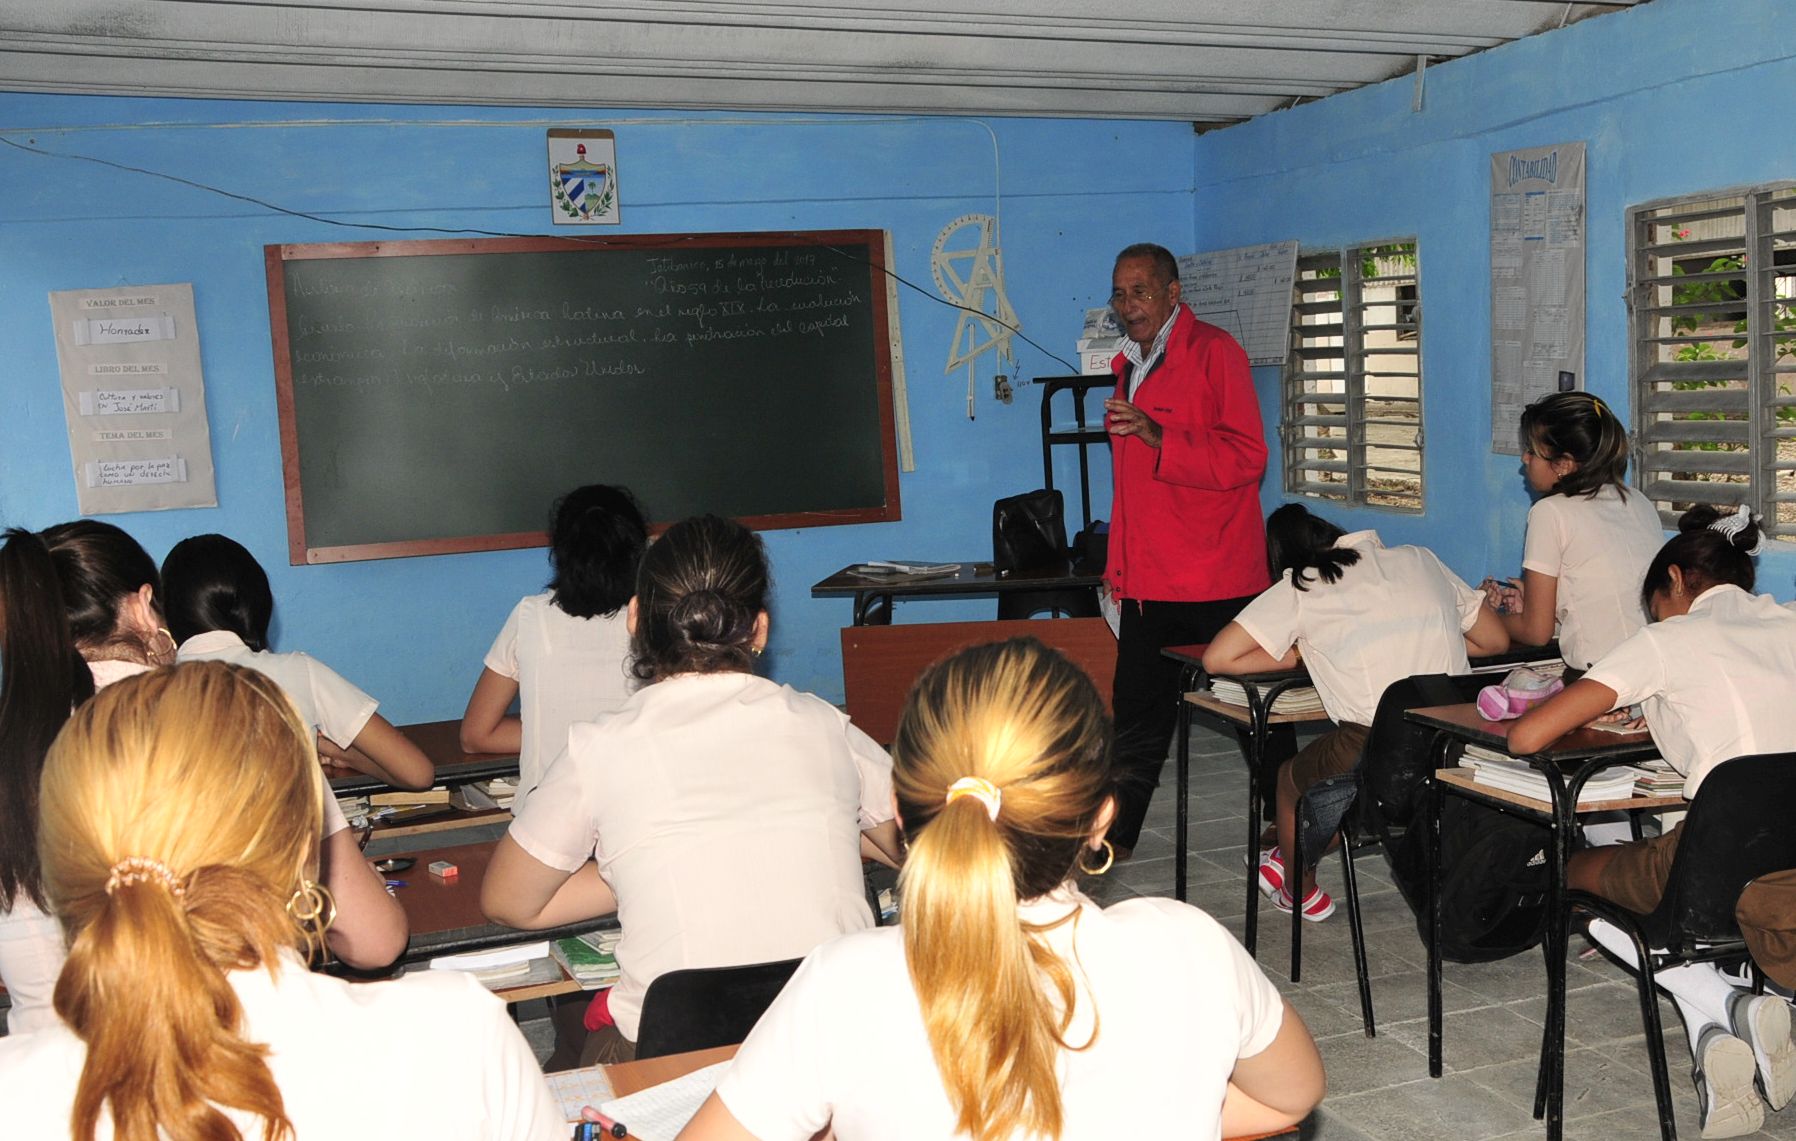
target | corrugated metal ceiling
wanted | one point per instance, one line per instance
(1207, 61)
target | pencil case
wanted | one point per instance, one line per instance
(1520, 690)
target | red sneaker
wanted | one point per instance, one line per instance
(1317, 905)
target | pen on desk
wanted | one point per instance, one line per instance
(606, 1126)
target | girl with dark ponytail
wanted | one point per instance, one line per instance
(1361, 615)
(78, 609)
(1715, 676)
(727, 814)
(563, 655)
(1009, 1005)
(1589, 536)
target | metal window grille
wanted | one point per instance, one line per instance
(1352, 419)
(1710, 289)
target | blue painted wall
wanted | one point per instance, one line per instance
(1671, 97)
(412, 631)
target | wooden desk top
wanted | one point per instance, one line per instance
(445, 916)
(1465, 723)
(1513, 656)
(441, 742)
(970, 578)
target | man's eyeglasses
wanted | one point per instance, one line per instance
(1118, 296)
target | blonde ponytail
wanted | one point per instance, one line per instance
(180, 808)
(996, 1000)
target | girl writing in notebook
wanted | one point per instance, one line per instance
(564, 654)
(720, 814)
(181, 811)
(1589, 537)
(1360, 616)
(1715, 674)
(1007, 1004)
(79, 609)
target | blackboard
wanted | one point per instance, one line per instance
(437, 396)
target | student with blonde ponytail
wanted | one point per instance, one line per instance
(179, 824)
(1008, 1005)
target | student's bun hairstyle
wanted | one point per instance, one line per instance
(61, 592)
(181, 809)
(1580, 426)
(595, 544)
(699, 590)
(1021, 717)
(1705, 555)
(1300, 542)
(213, 583)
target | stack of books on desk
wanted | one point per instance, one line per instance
(1551, 667)
(1297, 699)
(1492, 768)
(590, 959)
(1658, 778)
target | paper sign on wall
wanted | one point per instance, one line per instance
(134, 398)
(583, 177)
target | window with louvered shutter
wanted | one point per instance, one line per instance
(1711, 286)
(1352, 418)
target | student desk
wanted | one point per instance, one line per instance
(441, 742)
(445, 916)
(874, 594)
(1256, 719)
(1567, 764)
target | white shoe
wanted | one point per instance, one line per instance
(1763, 1022)
(1728, 1104)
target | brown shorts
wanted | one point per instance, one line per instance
(1636, 874)
(1767, 915)
(1336, 751)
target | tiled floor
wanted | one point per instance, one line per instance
(1380, 1088)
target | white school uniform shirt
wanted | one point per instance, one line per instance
(31, 946)
(432, 1054)
(1398, 611)
(1598, 547)
(1716, 683)
(1176, 999)
(725, 811)
(568, 669)
(326, 701)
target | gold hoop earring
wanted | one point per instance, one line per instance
(159, 657)
(313, 909)
(1109, 858)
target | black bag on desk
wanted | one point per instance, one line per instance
(1029, 532)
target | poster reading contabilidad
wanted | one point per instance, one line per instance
(134, 398)
(1536, 281)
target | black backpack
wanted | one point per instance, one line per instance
(1494, 876)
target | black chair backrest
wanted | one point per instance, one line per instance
(701, 1008)
(1395, 763)
(1738, 829)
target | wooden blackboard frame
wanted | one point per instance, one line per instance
(861, 245)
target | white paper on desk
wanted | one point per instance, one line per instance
(576, 1089)
(660, 1112)
(497, 957)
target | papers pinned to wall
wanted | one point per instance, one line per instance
(1247, 291)
(134, 398)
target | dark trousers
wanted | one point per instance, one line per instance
(1145, 697)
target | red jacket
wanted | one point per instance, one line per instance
(1185, 522)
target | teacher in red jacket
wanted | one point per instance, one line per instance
(1187, 542)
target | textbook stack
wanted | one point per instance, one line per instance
(589, 959)
(1658, 778)
(1497, 770)
(1298, 699)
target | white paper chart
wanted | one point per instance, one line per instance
(1246, 290)
(1536, 281)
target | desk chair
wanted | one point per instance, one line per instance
(1737, 830)
(701, 1008)
(1334, 804)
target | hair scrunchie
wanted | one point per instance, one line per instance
(979, 789)
(1730, 526)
